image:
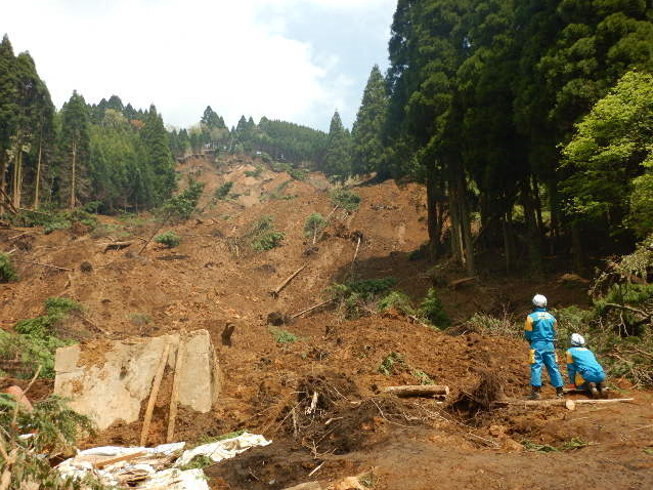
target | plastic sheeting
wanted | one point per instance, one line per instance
(157, 467)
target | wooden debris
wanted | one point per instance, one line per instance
(404, 391)
(227, 333)
(312, 308)
(155, 392)
(275, 292)
(118, 459)
(117, 246)
(459, 282)
(560, 402)
(172, 418)
(48, 266)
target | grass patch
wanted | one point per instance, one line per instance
(222, 192)
(263, 236)
(254, 173)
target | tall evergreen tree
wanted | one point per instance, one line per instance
(75, 150)
(337, 158)
(368, 151)
(159, 157)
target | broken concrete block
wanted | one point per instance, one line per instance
(109, 381)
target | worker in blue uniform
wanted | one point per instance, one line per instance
(582, 367)
(540, 331)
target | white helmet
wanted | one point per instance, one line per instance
(539, 301)
(577, 340)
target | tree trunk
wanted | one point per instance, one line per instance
(435, 220)
(17, 179)
(532, 235)
(577, 247)
(37, 184)
(73, 176)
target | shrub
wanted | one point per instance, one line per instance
(314, 225)
(389, 364)
(223, 191)
(182, 206)
(432, 310)
(298, 173)
(345, 199)
(493, 326)
(254, 173)
(268, 241)
(7, 271)
(170, 239)
(283, 336)
(353, 297)
(396, 300)
(263, 235)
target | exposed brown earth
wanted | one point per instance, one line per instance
(213, 278)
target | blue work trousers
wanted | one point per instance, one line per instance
(543, 352)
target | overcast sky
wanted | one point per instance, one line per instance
(296, 60)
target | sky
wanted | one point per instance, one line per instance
(295, 60)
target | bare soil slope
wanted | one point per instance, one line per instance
(214, 278)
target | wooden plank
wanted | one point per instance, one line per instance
(155, 392)
(174, 398)
(125, 457)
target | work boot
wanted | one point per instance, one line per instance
(560, 392)
(594, 392)
(600, 387)
(535, 393)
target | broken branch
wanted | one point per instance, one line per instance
(275, 292)
(155, 392)
(314, 307)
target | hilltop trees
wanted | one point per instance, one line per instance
(367, 146)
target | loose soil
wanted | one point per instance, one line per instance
(320, 398)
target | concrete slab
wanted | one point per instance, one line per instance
(112, 386)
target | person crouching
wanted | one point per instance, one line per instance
(540, 331)
(583, 369)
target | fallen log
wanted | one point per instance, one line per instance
(560, 402)
(404, 391)
(459, 282)
(275, 292)
(145, 432)
(117, 246)
(312, 308)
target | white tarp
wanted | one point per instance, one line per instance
(225, 449)
(157, 467)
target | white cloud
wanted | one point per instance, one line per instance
(182, 55)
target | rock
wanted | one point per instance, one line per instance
(349, 483)
(313, 485)
(110, 381)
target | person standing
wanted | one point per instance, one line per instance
(540, 332)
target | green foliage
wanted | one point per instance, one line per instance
(283, 336)
(609, 150)
(56, 220)
(223, 191)
(398, 301)
(182, 206)
(432, 310)
(55, 429)
(254, 173)
(390, 362)
(353, 297)
(170, 239)
(36, 342)
(488, 325)
(345, 199)
(198, 462)
(7, 271)
(570, 445)
(368, 152)
(337, 158)
(263, 236)
(314, 225)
